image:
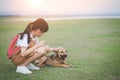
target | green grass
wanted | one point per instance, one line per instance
(93, 49)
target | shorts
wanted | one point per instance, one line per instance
(17, 59)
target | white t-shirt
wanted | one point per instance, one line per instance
(24, 41)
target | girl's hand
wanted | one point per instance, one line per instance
(55, 49)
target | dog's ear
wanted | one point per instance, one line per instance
(55, 51)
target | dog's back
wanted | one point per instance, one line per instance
(53, 60)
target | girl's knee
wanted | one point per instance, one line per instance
(48, 49)
(41, 50)
(37, 54)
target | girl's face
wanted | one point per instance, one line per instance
(38, 32)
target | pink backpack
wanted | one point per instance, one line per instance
(13, 49)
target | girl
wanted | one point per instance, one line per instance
(31, 48)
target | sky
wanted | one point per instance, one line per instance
(60, 7)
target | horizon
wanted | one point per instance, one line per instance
(82, 15)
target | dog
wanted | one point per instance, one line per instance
(57, 60)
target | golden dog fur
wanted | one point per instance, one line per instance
(58, 59)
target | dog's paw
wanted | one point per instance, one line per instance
(66, 66)
(70, 65)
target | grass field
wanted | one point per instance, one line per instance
(93, 49)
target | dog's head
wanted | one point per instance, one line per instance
(61, 53)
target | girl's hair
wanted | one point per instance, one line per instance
(37, 24)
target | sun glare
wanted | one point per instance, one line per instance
(35, 3)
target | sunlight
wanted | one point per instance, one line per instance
(35, 3)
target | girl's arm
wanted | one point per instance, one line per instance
(25, 51)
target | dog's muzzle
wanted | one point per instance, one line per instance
(63, 56)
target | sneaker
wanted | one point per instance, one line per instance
(32, 67)
(23, 70)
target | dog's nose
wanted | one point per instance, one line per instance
(65, 55)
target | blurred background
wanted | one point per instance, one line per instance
(62, 8)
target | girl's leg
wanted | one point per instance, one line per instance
(41, 60)
(24, 68)
(40, 52)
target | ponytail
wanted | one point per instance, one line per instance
(27, 31)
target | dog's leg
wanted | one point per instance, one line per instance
(67, 63)
(61, 65)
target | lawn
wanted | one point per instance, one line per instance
(93, 49)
